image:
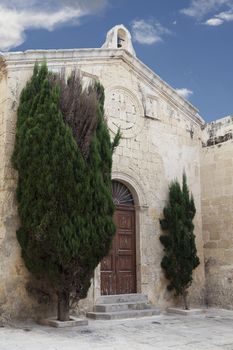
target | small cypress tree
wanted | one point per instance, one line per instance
(64, 188)
(180, 257)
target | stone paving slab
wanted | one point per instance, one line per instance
(179, 311)
(210, 331)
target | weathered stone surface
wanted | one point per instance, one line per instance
(191, 312)
(117, 315)
(122, 298)
(53, 322)
(217, 132)
(210, 331)
(217, 214)
(122, 306)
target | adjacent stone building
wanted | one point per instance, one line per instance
(161, 137)
(217, 210)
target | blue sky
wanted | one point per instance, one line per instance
(189, 43)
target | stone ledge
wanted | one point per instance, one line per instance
(191, 312)
(53, 322)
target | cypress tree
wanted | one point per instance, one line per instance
(180, 257)
(64, 192)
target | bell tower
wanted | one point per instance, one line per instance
(119, 38)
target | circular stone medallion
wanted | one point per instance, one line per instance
(123, 111)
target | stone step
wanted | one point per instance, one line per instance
(121, 307)
(123, 314)
(122, 298)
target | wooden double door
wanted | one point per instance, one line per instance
(118, 269)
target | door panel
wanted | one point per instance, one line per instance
(118, 269)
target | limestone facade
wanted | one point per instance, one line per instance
(162, 137)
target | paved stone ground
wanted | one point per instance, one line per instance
(212, 330)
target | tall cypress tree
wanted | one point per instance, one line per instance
(180, 257)
(64, 196)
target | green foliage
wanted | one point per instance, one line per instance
(64, 199)
(179, 240)
(99, 205)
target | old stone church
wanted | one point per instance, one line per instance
(162, 135)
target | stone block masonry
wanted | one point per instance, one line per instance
(217, 213)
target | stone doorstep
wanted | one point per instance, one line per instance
(191, 312)
(53, 322)
(136, 305)
(123, 314)
(122, 298)
(122, 306)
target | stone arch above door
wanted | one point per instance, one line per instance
(133, 184)
(121, 194)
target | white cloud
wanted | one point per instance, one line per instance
(185, 93)
(220, 18)
(201, 8)
(226, 16)
(213, 22)
(17, 16)
(148, 32)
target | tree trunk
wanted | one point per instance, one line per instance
(185, 299)
(63, 306)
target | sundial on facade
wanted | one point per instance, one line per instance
(123, 111)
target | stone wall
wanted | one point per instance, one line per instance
(217, 212)
(219, 131)
(161, 139)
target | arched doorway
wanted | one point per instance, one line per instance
(118, 268)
